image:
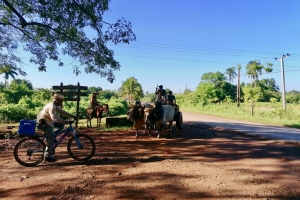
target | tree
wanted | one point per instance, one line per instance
(231, 73)
(268, 88)
(2, 86)
(254, 69)
(222, 88)
(131, 89)
(293, 96)
(251, 96)
(17, 90)
(187, 91)
(45, 28)
(24, 82)
(206, 93)
(42, 94)
(107, 94)
(93, 89)
(213, 77)
(268, 84)
(9, 71)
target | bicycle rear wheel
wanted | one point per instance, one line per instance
(81, 148)
(29, 151)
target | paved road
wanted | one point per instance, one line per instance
(267, 131)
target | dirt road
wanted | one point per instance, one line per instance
(194, 163)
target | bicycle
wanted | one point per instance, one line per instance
(29, 151)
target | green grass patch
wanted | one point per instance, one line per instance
(264, 113)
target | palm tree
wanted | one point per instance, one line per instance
(231, 73)
(8, 71)
(254, 69)
(131, 89)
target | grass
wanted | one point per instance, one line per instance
(264, 113)
(103, 127)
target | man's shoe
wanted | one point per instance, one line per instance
(50, 159)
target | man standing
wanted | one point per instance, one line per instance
(49, 117)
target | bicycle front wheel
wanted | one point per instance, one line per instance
(82, 147)
(29, 151)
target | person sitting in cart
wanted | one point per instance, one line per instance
(171, 99)
(49, 118)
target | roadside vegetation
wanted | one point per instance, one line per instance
(265, 112)
(259, 100)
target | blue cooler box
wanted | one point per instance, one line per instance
(27, 127)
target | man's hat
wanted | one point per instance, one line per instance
(58, 96)
(170, 92)
(160, 86)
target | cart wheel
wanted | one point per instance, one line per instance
(178, 119)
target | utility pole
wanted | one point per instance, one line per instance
(238, 93)
(282, 79)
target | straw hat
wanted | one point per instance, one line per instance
(58, 96)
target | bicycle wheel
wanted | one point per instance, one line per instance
(29, 151)
(81, 148)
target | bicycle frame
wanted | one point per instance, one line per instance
(65, 132)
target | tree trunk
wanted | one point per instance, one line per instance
(252, 109)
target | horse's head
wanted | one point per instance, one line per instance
(105, 108)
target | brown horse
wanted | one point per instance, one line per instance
(96, 113)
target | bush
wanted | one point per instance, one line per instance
(117, 107)
(15, 112)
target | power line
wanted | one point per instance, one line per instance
(209, 61)
(205, 52)
(185, 47)
(152, 57)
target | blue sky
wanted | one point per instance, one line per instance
(178, 41)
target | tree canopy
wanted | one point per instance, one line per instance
(47, 28)
(254, 69)
(10, 71)
(213, 77)
(131, 89)
(231, 73)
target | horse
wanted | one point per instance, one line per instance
(96, 112)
